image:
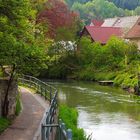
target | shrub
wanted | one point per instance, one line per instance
(69, 117)
(105, 76)
(126, 80)
(85, 74)
(4, 123)
(18, 104)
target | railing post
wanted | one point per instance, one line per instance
(42, 132)
(63, 126)
(69, 134)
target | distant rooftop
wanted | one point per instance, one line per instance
(109, 22)
(134, 31)
(122, 22)
(96, 22)
(103, 34)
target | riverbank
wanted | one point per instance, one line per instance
(70, 117)
(129, 89)
(124, 80)
(118, 61)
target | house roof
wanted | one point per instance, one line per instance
(122, 22)
(109, 22)
(126, 22)
(96, 22)
(134, 32)
(102, 34)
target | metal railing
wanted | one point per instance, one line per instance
(51, 128)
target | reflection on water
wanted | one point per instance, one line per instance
(105, 112)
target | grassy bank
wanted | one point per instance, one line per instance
(4, 123)
(69, 116)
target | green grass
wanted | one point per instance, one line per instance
(18, 104)
(69, 116)
(1, 73)
(4, 123)
(32, 89)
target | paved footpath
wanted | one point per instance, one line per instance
(26, 125)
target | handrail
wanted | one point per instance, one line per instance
(50, 120)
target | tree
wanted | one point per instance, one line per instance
(98, 9)
(57, 15)
(126, 4)
(18, 48)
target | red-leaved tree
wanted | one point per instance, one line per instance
(57, 14)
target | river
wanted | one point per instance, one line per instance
(106, 113)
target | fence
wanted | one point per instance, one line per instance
(51, 128)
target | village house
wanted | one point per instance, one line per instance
(101, 31)
(125, 23)
(134, 33)
(101, 34)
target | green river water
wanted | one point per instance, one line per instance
(108, 113)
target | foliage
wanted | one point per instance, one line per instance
(85, 74)
(100, 9)
(18, 104)
(69, 116)
(59, 18)
(97, 9)
(63, 60)
(19, 46)
(126, 80)
(126, 4)
(1, 73)
(4, 123)
(117, 60)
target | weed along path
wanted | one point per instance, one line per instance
(26, 125)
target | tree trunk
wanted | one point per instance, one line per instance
(6, 102)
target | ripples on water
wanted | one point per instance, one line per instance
(105, 112)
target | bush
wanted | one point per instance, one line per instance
(18, 104)
(69, 117)
(126, 80)
(85, 74)
(4, 123)
(104, 76)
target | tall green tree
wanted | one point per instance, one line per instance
(18, 48)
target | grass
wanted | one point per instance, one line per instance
(18, 104)
(1, 73)
(69, 116)
(4, 123)
(32, 89)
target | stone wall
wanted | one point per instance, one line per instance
(11, 98)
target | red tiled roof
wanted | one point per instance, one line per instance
(134, 32)
(97, 22)
(102, 34)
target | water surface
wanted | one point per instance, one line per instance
(107, 113)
